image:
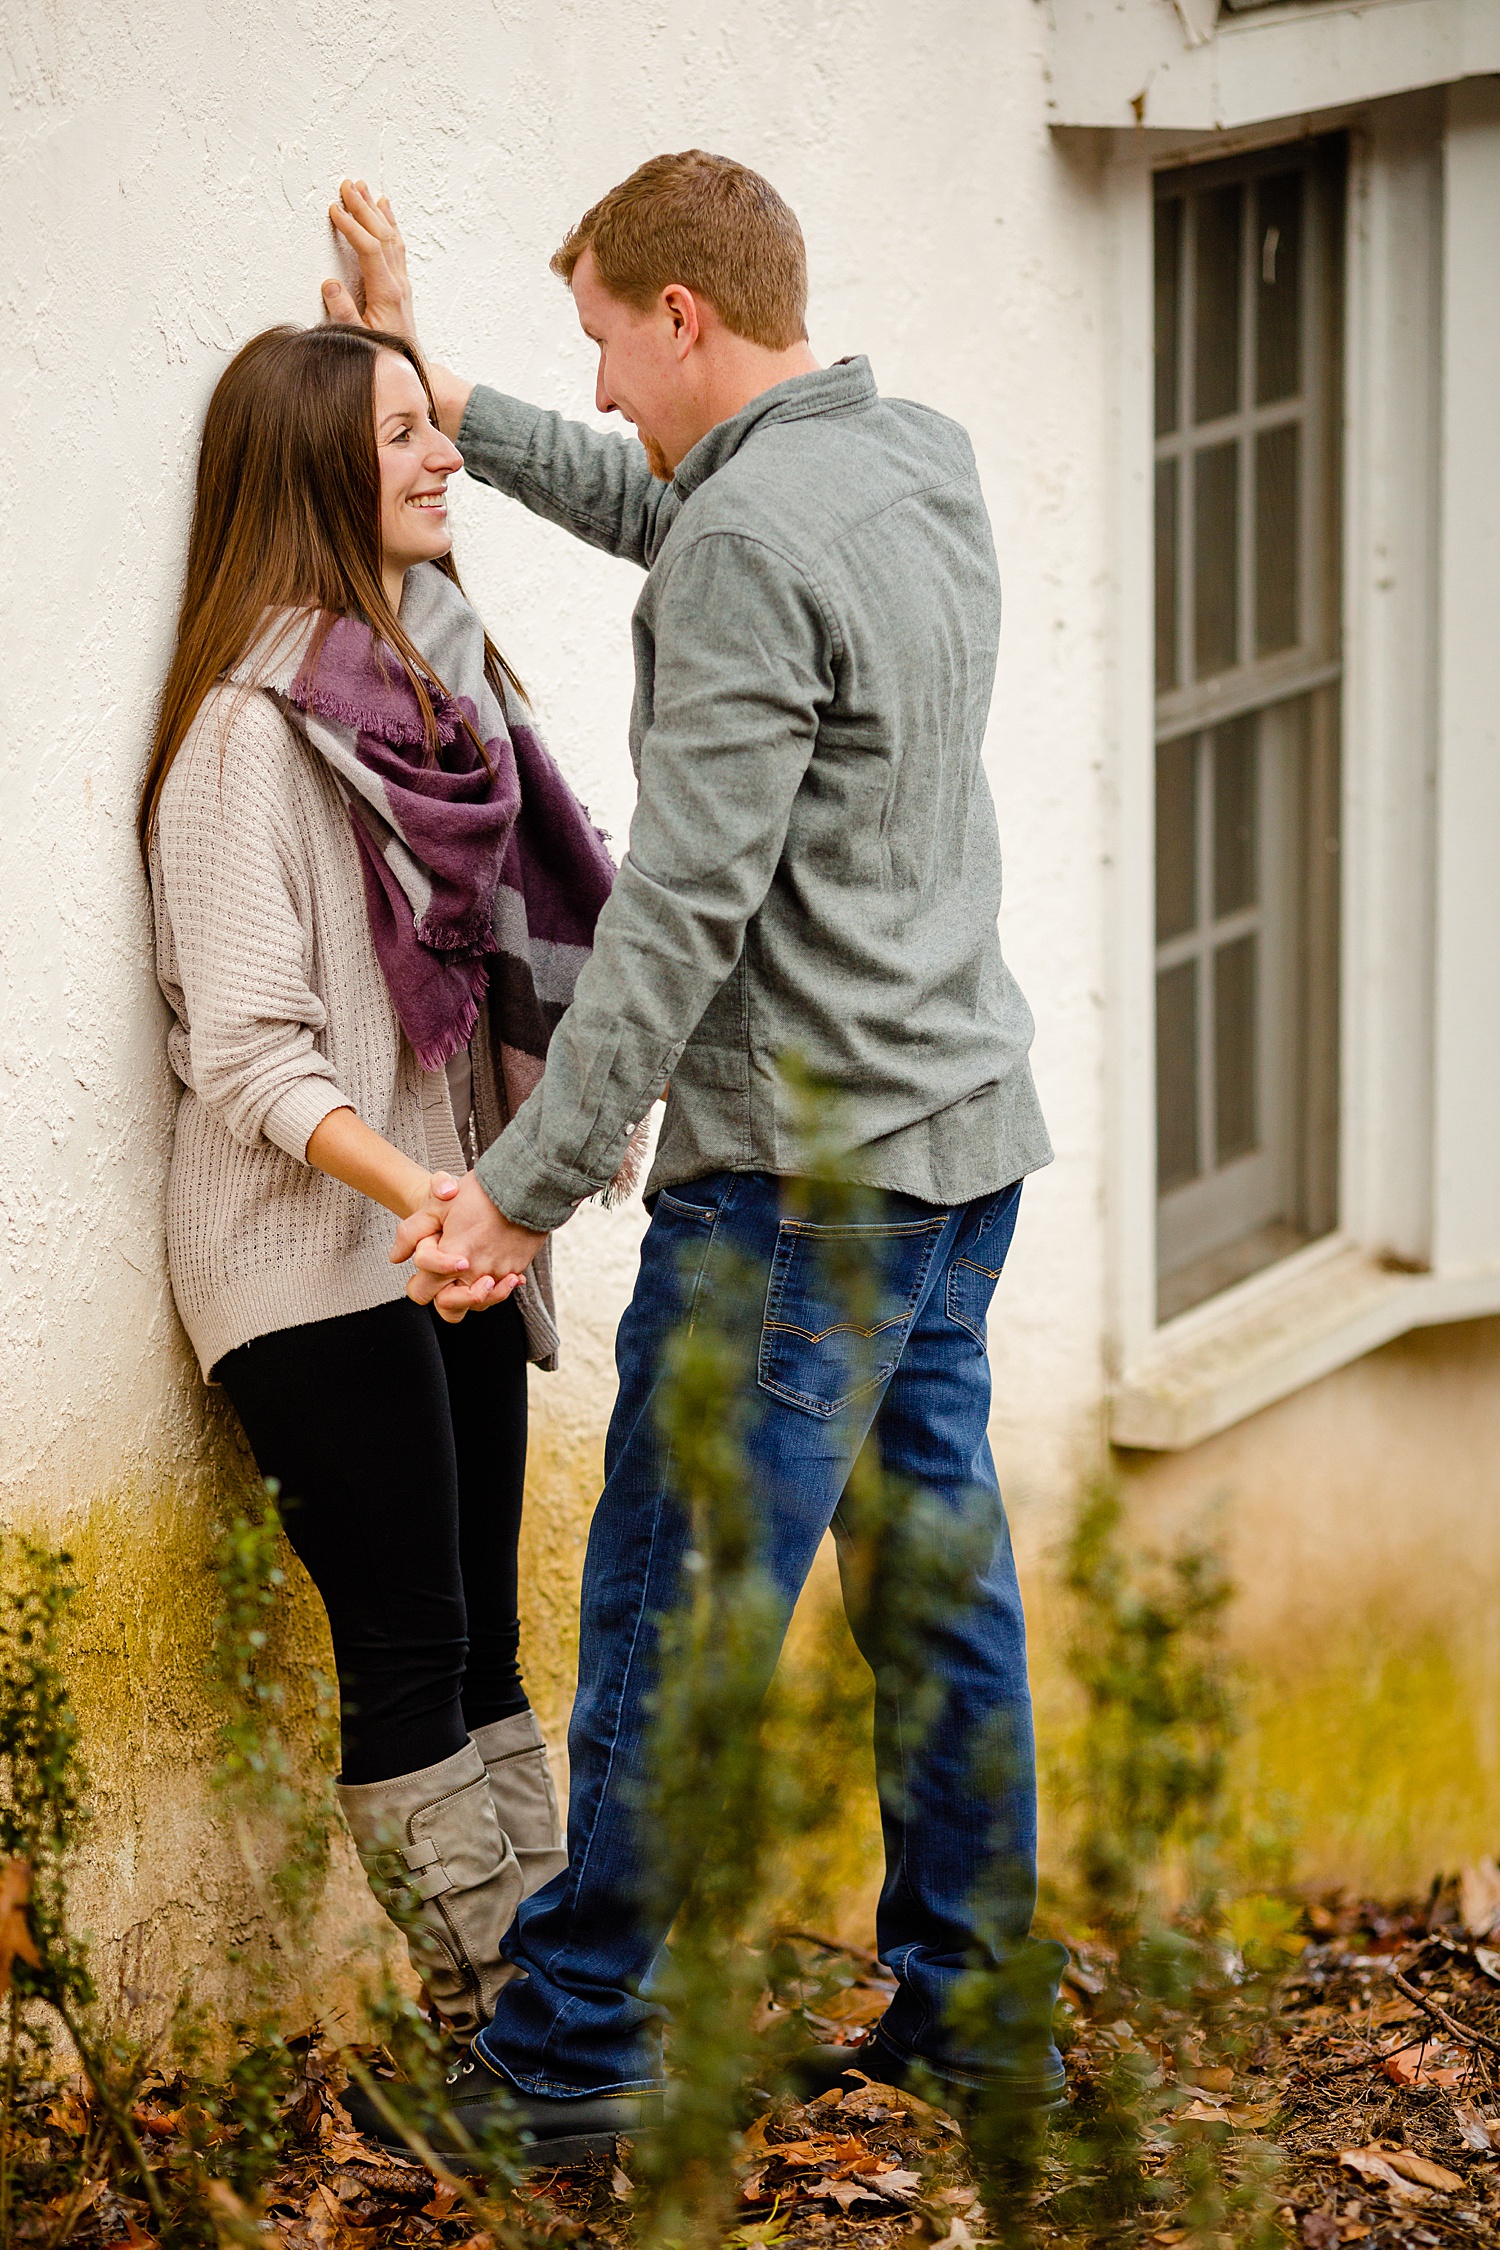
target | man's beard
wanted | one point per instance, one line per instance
(656, 460)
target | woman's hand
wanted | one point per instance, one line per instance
(424, 1222)
(368, 225)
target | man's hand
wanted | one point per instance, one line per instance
(368, 224)
(477, 1243)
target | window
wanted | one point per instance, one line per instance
(1247, 327)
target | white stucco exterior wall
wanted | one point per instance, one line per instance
(166, 176)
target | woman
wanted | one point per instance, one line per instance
(354, 840)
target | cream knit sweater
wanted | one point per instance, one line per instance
(280, 1014)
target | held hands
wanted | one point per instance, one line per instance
(468, 1255)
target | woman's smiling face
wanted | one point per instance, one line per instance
(416, 461)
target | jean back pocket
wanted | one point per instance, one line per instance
(816, 1353)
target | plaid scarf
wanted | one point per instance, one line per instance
(483, 883)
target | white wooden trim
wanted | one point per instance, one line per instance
(1466, 1214)
(1148, 63)
(1130, 849)
(1276, 1333)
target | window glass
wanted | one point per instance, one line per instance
(1216, 303)
(1247, 316)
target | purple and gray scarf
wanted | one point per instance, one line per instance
(483, 882)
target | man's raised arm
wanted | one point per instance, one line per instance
(597, 487)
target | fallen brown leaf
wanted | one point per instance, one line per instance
(1414, 2178)
(1406, 2067)
(807, 2155)
(1479, 1898)
(66, 2114)
(958, 2237)
(1216, 2081)
(16, 1941)
(621, 2185)
(845, 2192)
(441, 2203)
(1424, 2171)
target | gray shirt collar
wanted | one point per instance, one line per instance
(829, 390)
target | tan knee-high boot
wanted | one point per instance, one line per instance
(515, 1759)
(432, 1849)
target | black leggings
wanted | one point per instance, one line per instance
(399, 1443)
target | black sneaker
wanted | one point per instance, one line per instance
(555, 2134)
(816, 2070)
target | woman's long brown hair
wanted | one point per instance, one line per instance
(286, 517)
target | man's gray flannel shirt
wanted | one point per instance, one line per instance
(813, 865)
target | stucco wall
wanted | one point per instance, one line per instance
(165, 175)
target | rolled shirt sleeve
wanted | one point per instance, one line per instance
(732, 732)
(597, 487)
(225, 882)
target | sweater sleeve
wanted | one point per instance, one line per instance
(230, 889)
(597, 487)
(733, 728)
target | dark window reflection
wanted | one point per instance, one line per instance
(1176, 1076)
(1166, 575)
(1234, 1049)
(1168, 305)
(1278, 456)
(1216, 304)
(1216, 576)
(1235, 794)
(1176, 839)
(1278, 287)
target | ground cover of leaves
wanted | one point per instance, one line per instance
(1386, 2117)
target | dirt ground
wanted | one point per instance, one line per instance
(1371, 2069)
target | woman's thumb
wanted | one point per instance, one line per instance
(338, 304)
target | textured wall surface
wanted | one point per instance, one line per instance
(163, 181)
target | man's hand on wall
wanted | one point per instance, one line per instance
(368, 224)
(492, 1253)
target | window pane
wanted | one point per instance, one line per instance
(1234, 1049)
(1216, 304)
(1235, 792)
(1176, 1076)
(1278, 455)
(1166, 575)
(1278, 288)
(1176, 839)
(1168, 300)
(1216, 574)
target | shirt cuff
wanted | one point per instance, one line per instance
(295, 1116)
(525, 1190)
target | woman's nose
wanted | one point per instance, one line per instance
(445, 459)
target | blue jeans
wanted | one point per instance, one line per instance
(577, 2022)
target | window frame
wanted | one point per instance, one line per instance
(1285, 1187)
(1410, 517)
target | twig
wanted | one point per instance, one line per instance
(1449, 2023)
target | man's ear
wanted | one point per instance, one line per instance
(681, 309)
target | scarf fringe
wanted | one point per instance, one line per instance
(625, 1182)
(436, 1054)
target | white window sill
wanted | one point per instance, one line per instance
(1257, 1343)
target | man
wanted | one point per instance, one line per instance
(813, 868)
